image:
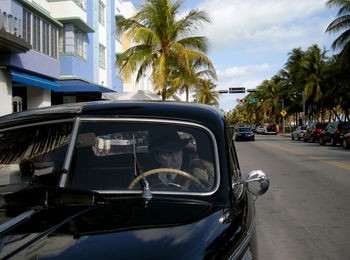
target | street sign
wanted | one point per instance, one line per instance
(222, 91)
(236, 90)
(252, 100)
(283, 113)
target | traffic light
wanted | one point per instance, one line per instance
(243, 100)
(261, 100)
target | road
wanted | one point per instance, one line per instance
(306, 212)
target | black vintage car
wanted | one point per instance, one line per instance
(126, 180)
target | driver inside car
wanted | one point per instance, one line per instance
(172, 152)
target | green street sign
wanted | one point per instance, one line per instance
(252, 100)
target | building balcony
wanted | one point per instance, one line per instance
(10, 34)
(67, 9)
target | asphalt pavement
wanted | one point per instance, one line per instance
(305, 213)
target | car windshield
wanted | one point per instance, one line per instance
(244, 129)
(126, 156)
(112, 156)
(303, 128)
(33, 153)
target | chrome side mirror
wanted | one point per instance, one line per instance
(257, 182)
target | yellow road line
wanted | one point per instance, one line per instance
(340, 165)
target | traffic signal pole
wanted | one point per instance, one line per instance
(283, 122)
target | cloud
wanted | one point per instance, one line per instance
(237, 21)
(249, 76)
(250, 39)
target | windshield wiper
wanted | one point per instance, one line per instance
(146, 194)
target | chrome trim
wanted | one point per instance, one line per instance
(16, 220)
(68, 158)
(158, 121)
(63, 180)
(240, 249)
(36, 124)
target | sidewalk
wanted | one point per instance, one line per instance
(285, 134)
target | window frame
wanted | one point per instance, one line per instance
(79, 38)
(36, 33)
(27, 26)
(101, 13)
(65, 178)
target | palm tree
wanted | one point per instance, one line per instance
(341, 23)
(182, 79)
(314, 63)
(163, 42)
(205, 93)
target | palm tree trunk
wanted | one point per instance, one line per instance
(186, 94)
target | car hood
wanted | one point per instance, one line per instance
(124, 228)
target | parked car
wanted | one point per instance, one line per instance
(298, 133)
(313, 132)
(244, 133)
(270, 129)
(346, 141)
(259, 129)
(169, 186)
(334, 133)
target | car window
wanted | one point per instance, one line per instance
(113, 156)
(244, 129)
(33, 153)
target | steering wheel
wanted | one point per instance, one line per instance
(164, 170)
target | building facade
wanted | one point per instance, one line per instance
(56, 51)
(29, 61)
(87, 49)
(130, 85)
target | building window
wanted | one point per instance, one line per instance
(53, 52)
(79, 43)
(69, 99)
(46, 38)
(101, 13)
(102, 53)
(41, 34)
(62, 44)
(81, 3)
(26, 26)
(36, 33)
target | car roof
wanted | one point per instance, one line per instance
(198, 113)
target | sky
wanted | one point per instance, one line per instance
(250, 39)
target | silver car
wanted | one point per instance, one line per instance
(298, 133)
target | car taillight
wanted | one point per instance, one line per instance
(337, 131)
(318, 130)
(302, 131)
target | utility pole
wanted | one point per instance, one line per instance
(304, 115)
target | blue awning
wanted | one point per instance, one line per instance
(28, 79)
(76, 85)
